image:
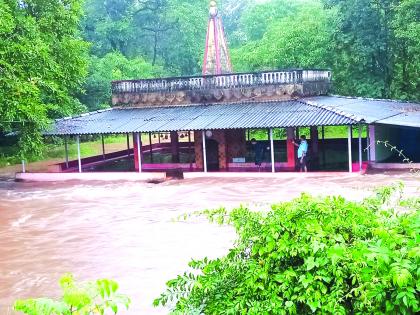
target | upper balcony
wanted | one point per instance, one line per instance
(217, 88)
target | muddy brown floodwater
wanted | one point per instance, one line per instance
(125, 231)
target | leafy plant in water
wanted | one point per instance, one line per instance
(93, 297)
(310, 255)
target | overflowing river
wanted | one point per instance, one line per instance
(125, 231)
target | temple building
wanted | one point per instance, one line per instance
(210, 120)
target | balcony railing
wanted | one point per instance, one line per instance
(223, 81)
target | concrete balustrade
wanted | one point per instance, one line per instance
(224, 81)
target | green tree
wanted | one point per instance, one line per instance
(113, 66)
(108, 25)
(300, 39)
(406, 27)
(170, 33)
(376, 48)
(363, 63)
(42, 65)
(258, 17)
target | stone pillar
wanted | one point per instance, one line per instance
(198, 149)
(291, 157)
(175, 147)
(220, 137)
(372, 143)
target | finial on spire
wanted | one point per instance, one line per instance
(216, 55)
(213, 8)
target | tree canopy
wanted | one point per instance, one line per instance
(42, 65)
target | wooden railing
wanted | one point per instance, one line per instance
(223, 81)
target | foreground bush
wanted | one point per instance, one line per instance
(96, 297)
(310, 255)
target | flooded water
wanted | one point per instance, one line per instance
(125, 231)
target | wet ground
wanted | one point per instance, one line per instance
(126, 231)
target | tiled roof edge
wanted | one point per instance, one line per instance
(335, 110)
(373, 99)
(84, 114)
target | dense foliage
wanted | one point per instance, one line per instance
(47, 70)
(113, 66)
(95, 297)
(310, 255)
(42, 65)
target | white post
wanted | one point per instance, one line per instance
(273, 169)
(139, 149)
(78, 153)
(360, 148)
(349, 149)
(203, 133)
(372, 144)
(23, 166)
(67, 152)
(103, 147)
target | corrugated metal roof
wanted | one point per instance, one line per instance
(267, 114)
(373, 111)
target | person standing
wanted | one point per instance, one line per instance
(302, 153)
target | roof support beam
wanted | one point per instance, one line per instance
(372, 143)
(128, 144)
(349, 148)
(360, 148)
(273, 168)
(203, 135)
(150, 147)
(66, 149)
(103, 147)
(78, 153)
(189, 150)
(138, 141)
(23, 166)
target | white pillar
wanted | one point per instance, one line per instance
(66, 148)
(349, 149)
(273, 169)
(103, 147)
(78, 153)
(138, 149)
(23, 166)
(372, 144)
(203, 133)
(360, 148)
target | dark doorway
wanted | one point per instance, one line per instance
(212, 154)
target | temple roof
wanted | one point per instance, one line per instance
(251, 115)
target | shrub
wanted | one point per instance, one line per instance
(310, 255)
(93, 297)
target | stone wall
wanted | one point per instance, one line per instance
(262, 93)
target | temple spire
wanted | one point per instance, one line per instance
(216, 55)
